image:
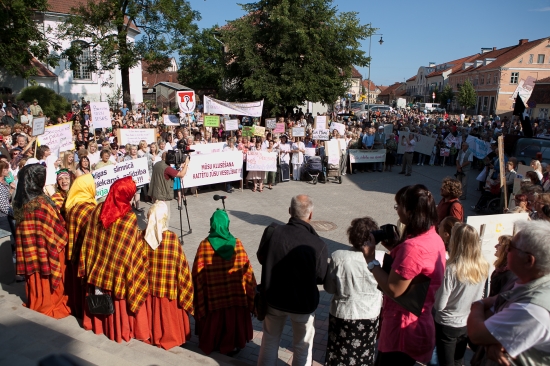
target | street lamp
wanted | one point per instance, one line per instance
(368, 91)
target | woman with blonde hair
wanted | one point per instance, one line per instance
(502, 278)
(537, 167)
(67, 161)
(463, 284)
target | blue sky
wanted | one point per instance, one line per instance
(416, 33)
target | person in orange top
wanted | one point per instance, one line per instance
(114, 259)
(40, 241)
(170, 283)
(225, 286)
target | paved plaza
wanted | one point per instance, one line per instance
(26, 336)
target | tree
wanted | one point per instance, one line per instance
(467, 95)
(287, 52)
(22, 38)
(105, 26)
(446, 94)
(201, 62)
(53, 105)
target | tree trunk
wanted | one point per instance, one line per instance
(126, 97)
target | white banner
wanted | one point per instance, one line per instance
(135, 135)
(478, 147)
(105, 177)
(38, 126)
(231, 124)
(298, 131)
(262, 161)
(58, 138)
(340, 127)
(215, 106)
(424, 144)
(207, 148)
(322, 135)
(367, 156)
(171, 120)
(101, 117)
(186, 100)
(214, 168)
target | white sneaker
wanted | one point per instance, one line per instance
(418, 164)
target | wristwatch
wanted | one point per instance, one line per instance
(373, 264)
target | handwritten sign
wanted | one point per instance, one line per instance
(104, 178)
(424, 144)
(450, 140)
(38, 126)
(332, 149)
(248, 131)
(135, 135)
(270, 123)
(101, 117)
(340, 127)
(321, 135)
(320, 123)
(171, 120)
(280, 128)
(214, 168)
(262, 161)
(298, 131)
(232, 124)
(259, 131)
(478, 147)
(58, 138)
(367, 156)
(212, 121)
(444, 152)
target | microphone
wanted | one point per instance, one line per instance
(218, 197)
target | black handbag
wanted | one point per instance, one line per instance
(100, 304)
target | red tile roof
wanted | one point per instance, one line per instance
(540, 94)
(41, 69)
(412, 78)
(152, 79)
(365, 84)
(382, 87)
(513, 53)
(355, 73)
(456, 65)
(543, 81)
(391, 89)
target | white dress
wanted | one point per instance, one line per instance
(297, 160)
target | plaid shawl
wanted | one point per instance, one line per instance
(169, 274)
(220, 283)
(78, 218)
(115, 259)
(59, 199)
(39, 238)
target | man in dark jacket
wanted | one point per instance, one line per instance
(294, 261)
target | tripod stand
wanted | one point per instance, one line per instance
(184, 200)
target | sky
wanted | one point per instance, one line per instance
(416, 33)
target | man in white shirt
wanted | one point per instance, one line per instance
(409, 143)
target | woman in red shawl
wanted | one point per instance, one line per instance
(40, 241)
(225, 286)
(113, 260)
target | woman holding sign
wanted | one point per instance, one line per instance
(256, 176)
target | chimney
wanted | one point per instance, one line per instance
(494, 48)
(523, 41)
(485, 50)
(431, 64)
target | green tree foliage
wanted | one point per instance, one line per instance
(201, 62)
(287, 52)
(53, 105)
(446, 94)
(467, 95)
(22, 38)
(163, 26)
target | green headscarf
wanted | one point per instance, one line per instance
(220, 238)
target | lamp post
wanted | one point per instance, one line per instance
(368, 91)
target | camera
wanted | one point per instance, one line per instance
(388, 234)
(178, 155)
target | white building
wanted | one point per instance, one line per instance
(73, 85)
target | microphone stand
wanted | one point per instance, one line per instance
(223, 202)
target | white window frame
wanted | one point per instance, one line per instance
(514, 78)
(83, 72)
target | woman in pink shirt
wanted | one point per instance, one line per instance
(406, 338)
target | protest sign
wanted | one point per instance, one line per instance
(104, 178)
(450, 140)
(332, 149)
(259, 131)
(298, 131)
(340, 127)
(261, 161)
(322, 135)
(38, 126)
(248, 131)
(186, 100)
(135, 135)
(58, 138)
(207, 148)
(214, 168)
(388, 130)
(211, 121)
(321, 123)
(520, 176)
(310, 151)
(367, 156)
(270, 123)
(232, 124)
(424, 144)
(101, 117)
(171, 120)
(280, 128)
(444, 152)
(478, 147)
(216, 106)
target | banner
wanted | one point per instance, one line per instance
(298, 131)
(259, 131)
(321, 135)
(105, 177)
(58, 138)
(215, 106)
(262, 161)
(101, 116)
(340, 127)
(248, 131)
(367, 156)
(207, 148)
(444, 152)
(211, 121)
(321, 123)
(478, 147)
(388, 130)
(171, 120)
(214, 168)
(280, 128)
(38, 126)
(232, 124)
(186, 100)
(135, 135)
(424, 144)
(270, 123)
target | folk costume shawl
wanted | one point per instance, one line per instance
(82, 190)
(117, 204)
(41, 233)
(157, 224)
(220, 238)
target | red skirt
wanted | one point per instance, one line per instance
(121, 325)
(75, 290)
(168, 322)
(224, 330)
(42, 298)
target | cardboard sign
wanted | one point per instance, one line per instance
(58, 138)
(280, 128)
(444, 152)
(270, 123)
(259, 131)
(105, 177)
(232, 124)
(340, 127)
(214, 168)
(424, 144)
(135, 135)
(211, 121)
(186, 100)
(101, 117)
(332, 149)
(298, 131)
(367, 156)
(38, 126)
(321, 123)
(248, 131)
(171, 120)
(478, 147)
(262, 161)
(321, 135)
(388, 130)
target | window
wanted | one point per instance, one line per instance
(485, 101)
(514, 78)
(543, 113)
(83, 71)
(496, 79)
(540, 59)
(488, 79)
(482, 80)
(531, 58)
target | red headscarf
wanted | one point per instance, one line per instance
(118, 200)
